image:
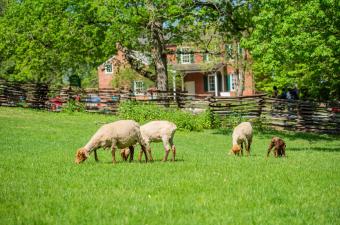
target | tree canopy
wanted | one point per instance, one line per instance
(297, 43)
(42, 40)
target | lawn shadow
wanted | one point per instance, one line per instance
(143, 161)
(290, 135)
(321, 149)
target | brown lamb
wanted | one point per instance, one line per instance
(279, 147)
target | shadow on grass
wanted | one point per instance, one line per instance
(143, 161)
(321, 149)
(290, 135)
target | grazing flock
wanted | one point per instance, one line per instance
(124, 134)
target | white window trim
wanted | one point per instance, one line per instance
(108, 72)
(140, 90)
(211, 75)
(186, 55)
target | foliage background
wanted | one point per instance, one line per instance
(297, 43)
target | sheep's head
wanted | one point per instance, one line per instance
(236, 149)
(81, 155)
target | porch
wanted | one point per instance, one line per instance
(195, 79)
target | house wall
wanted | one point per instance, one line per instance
(171, 57)
(249, 84)
(105, 80)
(198, 79)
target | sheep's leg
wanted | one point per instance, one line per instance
(113, 151)
(122, 154)
(140, 155)
(284, 151)
(276, 151)
(132, 150)
(148, 149)
(167, 149)
(173, 148)
(166, 155)
(95, 155)
(270, 148)
(241, 149)
(146, 155)
(248, 147)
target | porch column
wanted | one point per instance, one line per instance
(182, 76)
(216, 84)
(174, 84)
(223, 81)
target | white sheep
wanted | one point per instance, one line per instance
(243, 133)
(157, 131)
(119, 134)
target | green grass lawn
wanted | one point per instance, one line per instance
(41, 184)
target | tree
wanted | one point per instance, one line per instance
(297, 42)
(42, 40)
(232, 20)
(149, 26)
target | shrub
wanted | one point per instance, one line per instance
(228, 123)
(73, 106)
(145, 112)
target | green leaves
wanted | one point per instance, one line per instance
(44, 39)
(295, 43)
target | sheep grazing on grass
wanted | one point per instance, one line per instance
(279, 147)
(157, 131)
(119, 134)
(243, 134)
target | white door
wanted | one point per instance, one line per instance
(190, 87)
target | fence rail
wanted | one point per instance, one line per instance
(277, 113)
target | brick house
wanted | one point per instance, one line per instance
(110, 68)
(219, 79)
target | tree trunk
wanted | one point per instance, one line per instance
(240, 82)
(159, 56)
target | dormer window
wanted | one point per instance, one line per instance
(108, 68)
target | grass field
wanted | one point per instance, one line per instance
(41, 184)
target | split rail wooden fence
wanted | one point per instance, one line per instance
(277, 113)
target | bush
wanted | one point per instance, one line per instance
(228, 123)
(73, 106)
(145, 112)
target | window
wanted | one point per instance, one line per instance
(185, 58)
(138, 87)
(205, 57)
(211, 82)
(108, 68)
(233, 83)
